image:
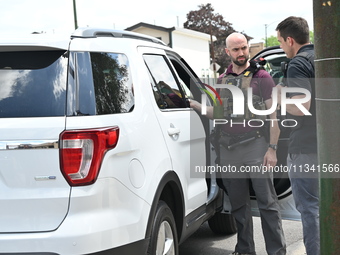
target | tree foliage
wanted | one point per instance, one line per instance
(206, 21)
(272, 40)
(311, 36)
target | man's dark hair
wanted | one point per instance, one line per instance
(294, 27)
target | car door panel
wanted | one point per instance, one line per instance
(182, 129)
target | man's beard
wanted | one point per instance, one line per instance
(241, 63)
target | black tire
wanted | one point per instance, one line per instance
(223, 224)
(163, 239)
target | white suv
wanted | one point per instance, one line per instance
(97, 147)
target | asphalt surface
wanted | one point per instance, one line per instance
(205, 242)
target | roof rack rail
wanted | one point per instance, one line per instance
(97, 32)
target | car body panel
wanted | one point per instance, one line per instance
(33, 194)
(93, 223)
(184, 136)
(115, 211)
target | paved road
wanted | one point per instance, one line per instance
(205, 242)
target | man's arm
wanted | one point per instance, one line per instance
(198, 107)
(270, 158)
(292, 108)
(267, 84)
(298, 77)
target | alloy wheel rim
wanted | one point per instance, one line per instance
(165, 240)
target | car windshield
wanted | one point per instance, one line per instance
(33, 83)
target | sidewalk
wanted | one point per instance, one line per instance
(296, 248)
(293, 234)
(204, 242)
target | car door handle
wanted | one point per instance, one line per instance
(173, 131)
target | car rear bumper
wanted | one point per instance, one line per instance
(139, 247)
(104, 218)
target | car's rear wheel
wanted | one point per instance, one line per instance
(223, 224)
(163, 240)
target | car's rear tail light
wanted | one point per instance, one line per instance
(82, 152)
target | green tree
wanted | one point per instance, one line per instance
(206, 21)
(271, 41)
(311, 36)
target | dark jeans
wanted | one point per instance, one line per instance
(305, 188)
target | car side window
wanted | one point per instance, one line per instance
(103, 83)
(167, 91)
(185, 79)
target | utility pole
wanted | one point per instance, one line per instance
(265, 27)
(213, 52)
(327, 67)
(75, 14)
(212, 45)
(265, 31)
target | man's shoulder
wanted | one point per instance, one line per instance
(307, 48)
(305, 53)
(263, 78)
(261, 73)
(302, 63)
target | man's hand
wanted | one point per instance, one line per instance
(270, 158)
(195, 105)
(198, 107)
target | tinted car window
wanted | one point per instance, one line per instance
(105, 84)
(32, 83)
(167, 91)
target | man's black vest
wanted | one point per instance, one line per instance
(242, 81)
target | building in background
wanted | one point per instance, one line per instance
(255, 48)
(193, 46)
